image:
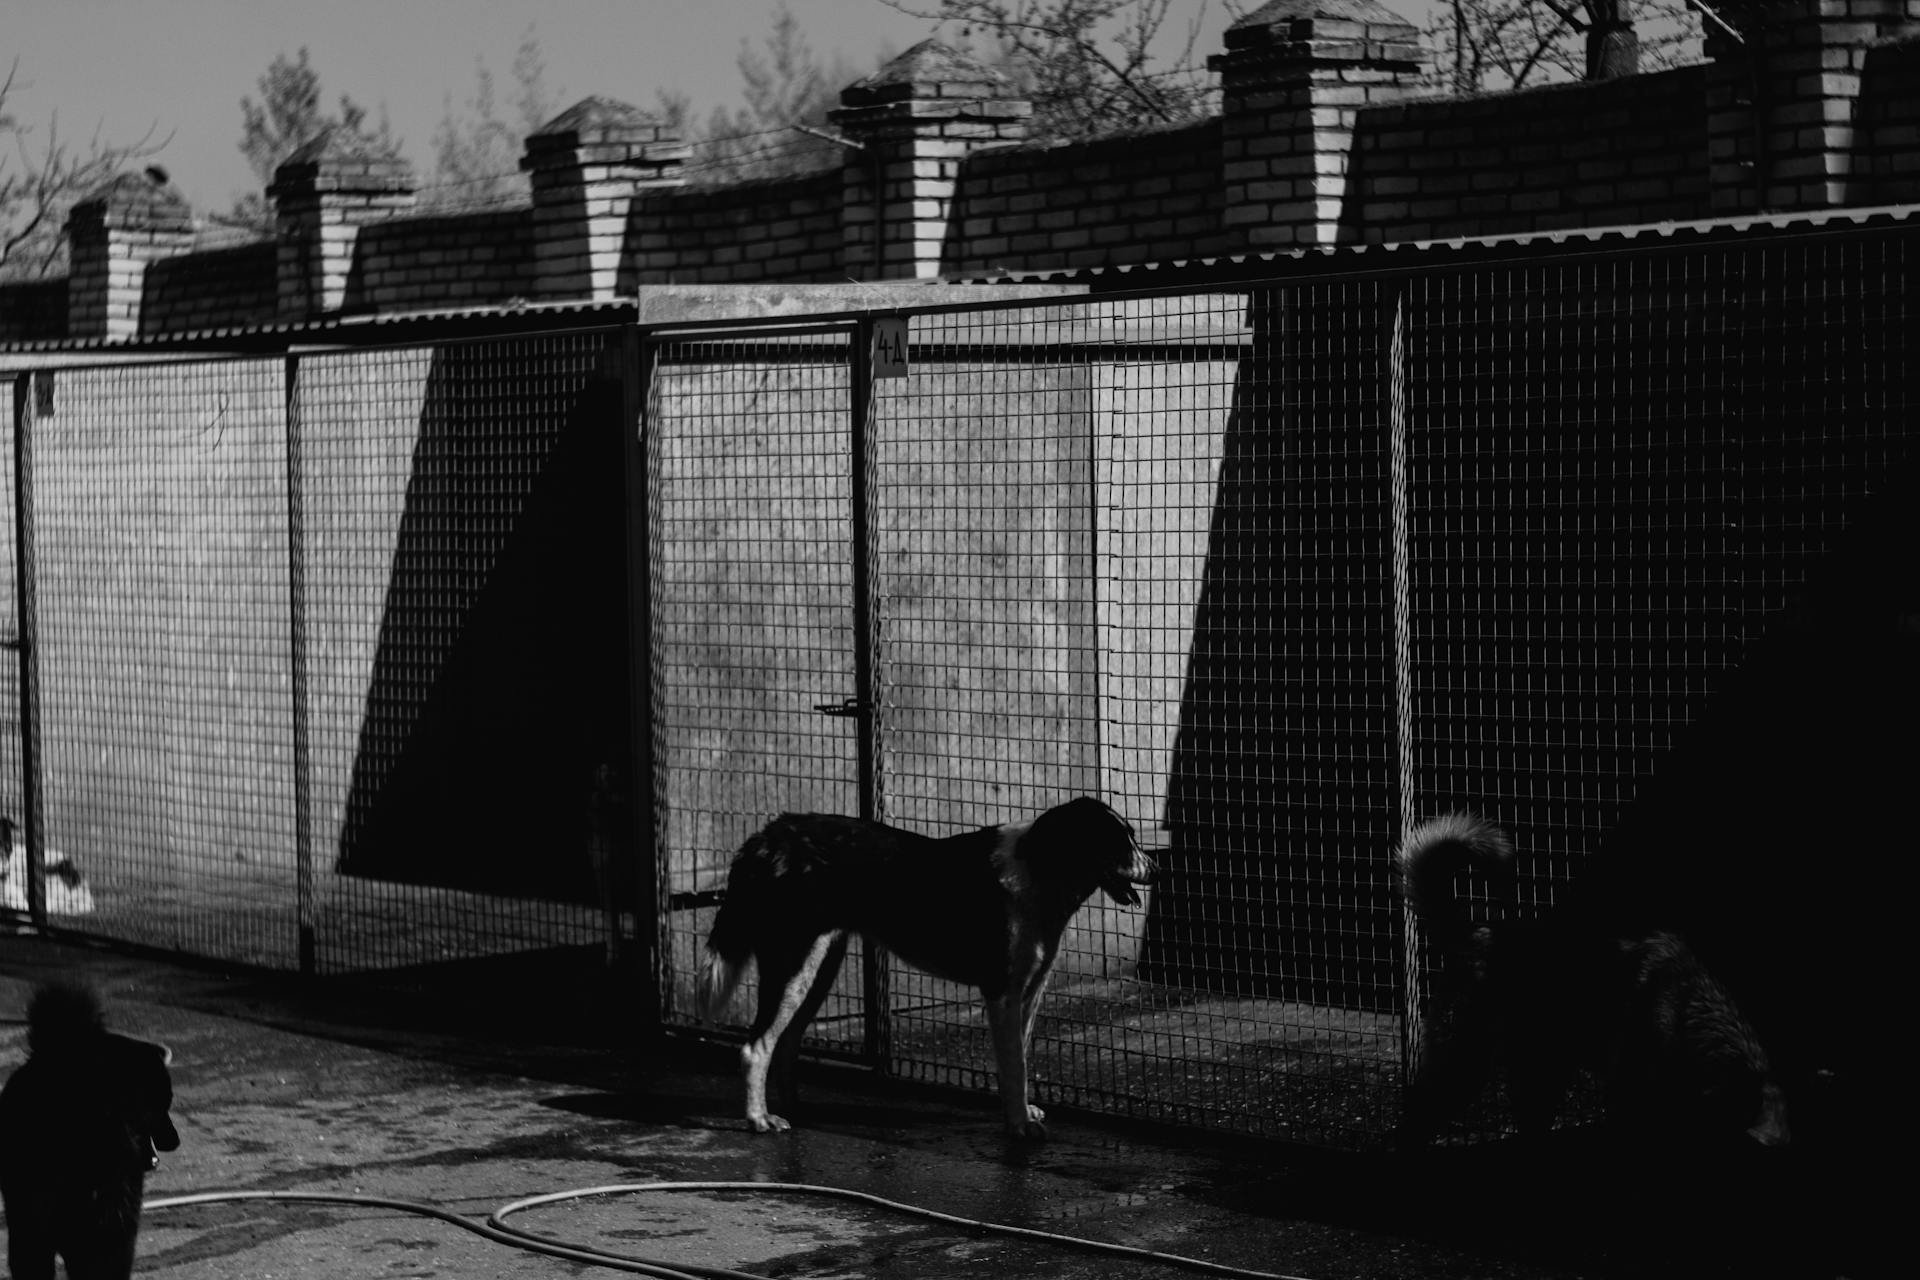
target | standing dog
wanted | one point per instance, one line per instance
(986, 908)
(80, 1122)
(1546, 998)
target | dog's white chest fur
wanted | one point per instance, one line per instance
(1012, 869)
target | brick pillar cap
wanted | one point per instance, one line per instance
(1291, 33)
(341, 160)
(1279, 21)
(605, 128)
(134, 201)
(931, 70)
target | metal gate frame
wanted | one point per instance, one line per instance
(654, 348)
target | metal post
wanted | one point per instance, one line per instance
(26, 386)
(1099, 415)
(304, 895)
(646, 784)
(1400, 602)
(877, 1037)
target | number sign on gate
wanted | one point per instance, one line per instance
(890, 347)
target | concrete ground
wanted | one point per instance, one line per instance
(468, 1103)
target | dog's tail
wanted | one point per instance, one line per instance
(735, 926)
(718, 978)
(63, 1016)
(1437, 850)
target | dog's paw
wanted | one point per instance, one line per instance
(1028, 1131)
(768, 1123)
(1033, 1128)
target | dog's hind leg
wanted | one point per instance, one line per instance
(786, 1050)
(787, 1002)
(1453, 1064)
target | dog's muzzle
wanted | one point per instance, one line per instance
(1120, 885)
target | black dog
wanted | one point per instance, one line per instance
(1546, 998)
(80, 1122)
(987, 907)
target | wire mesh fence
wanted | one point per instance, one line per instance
(161, 642)
(331, 650)
(337, 665)
(1278, 568)
(462, 621)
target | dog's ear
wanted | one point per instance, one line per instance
(1080, 817)
(1089, 813)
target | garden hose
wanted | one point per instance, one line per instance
(494, 1227)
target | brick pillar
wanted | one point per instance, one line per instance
(322, 195)
(1293, 79)
(586, 167)
(111, 237)
(1782, 101)
(916, 119)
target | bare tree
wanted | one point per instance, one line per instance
(1089, 67)
(42, 178)
(1482, 45)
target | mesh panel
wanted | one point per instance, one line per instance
(462, 549)
(1066, 595)
(1621, 469)
(753, 618)
(161, 507)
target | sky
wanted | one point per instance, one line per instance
(181, 67)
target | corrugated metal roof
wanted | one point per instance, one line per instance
(372, 327)
(1397, 254)
(376, 328)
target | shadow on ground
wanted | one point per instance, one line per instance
(469, 1099)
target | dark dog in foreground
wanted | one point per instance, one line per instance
(1546, 998)
(986, 908)
(80, 1122)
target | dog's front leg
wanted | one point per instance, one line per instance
(1007, 1020)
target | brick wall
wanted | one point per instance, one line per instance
(1139, 198)
(33, 309)
(1326, 136)
(1614, 152)
(459, 261)
(786, 230)
(224, 288)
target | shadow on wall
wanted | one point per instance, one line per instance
(1281, 795)
(499, 686)
(1777, 835)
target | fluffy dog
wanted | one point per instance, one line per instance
(986, 908)
(1686, 1060)
(80, 1122)
(1546, 998)
(64, 889)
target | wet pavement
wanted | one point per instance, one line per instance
(314, 1088)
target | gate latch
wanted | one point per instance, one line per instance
(845, 707)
